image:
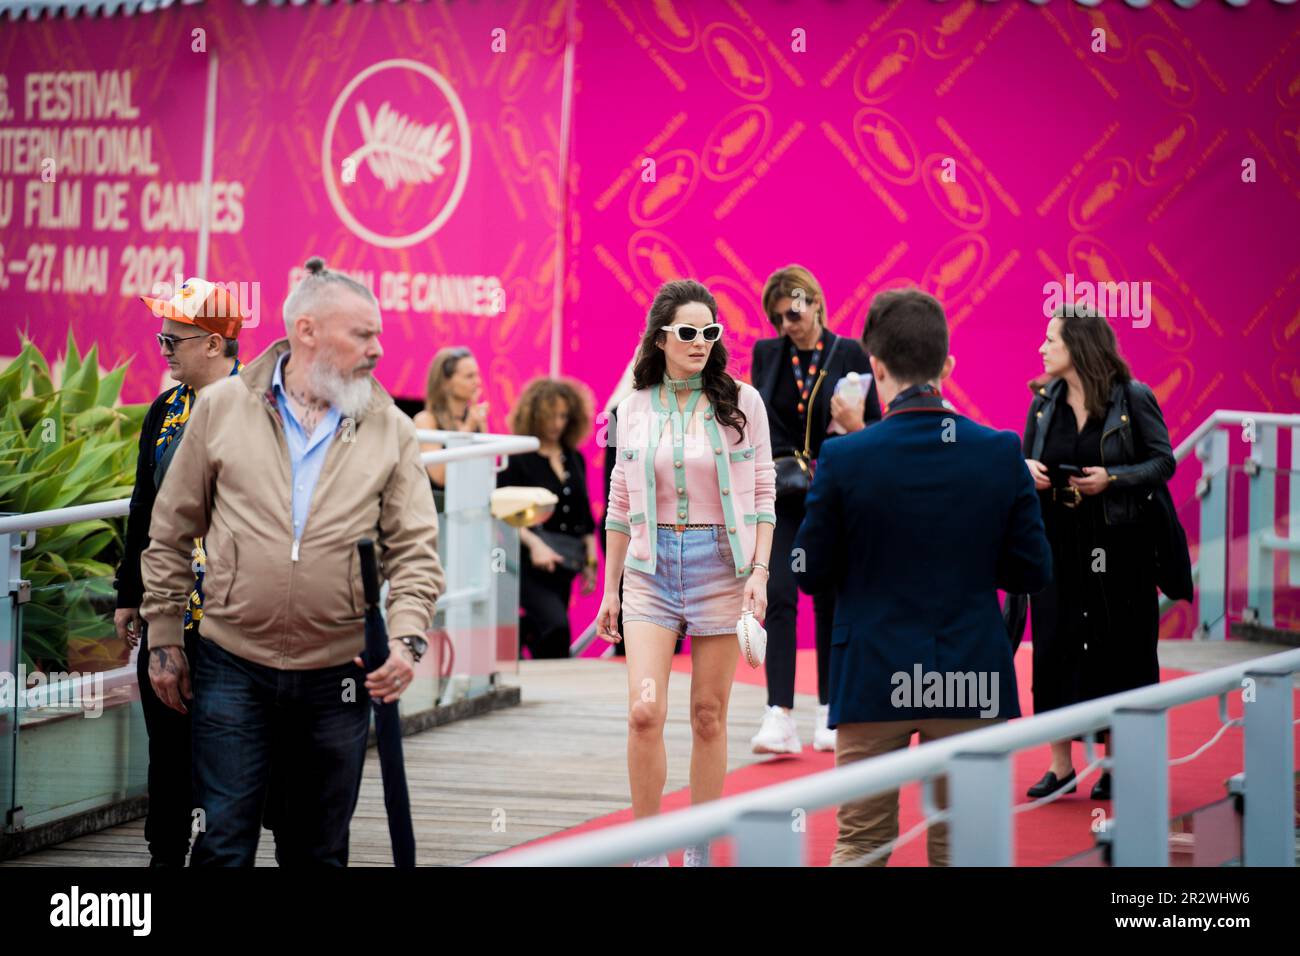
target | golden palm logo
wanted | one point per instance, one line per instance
(399, 151)
(1293, 90)
(664, 263)
(1289, 332)
(1166, 73)
(419, 152)
(1165, 320)
(952, 271)
(670, 18)
(1292, 378)
(959, 200)
(887, 145)
(1164, 150)
(737, 65)
(1099, 22)
(952, 24)
(668, 187)
(553, 19)
(1102, 194)
(734, 143)
(1170, 323)
(1294, 136)
(1168, 385)
(1098, 267)
(889, 66)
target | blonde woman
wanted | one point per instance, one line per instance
(689, 533)
(452, 402)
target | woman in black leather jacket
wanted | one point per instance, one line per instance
(1096, 443)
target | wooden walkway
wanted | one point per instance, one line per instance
(488, 783)
(558, 759)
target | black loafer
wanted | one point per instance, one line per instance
(1050, 784)
(1101, 789)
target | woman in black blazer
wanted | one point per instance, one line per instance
(1096, 444)
(796, 374)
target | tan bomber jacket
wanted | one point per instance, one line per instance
(268, 599)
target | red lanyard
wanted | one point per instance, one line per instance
(804, 384)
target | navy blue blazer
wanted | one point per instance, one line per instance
(916, 522)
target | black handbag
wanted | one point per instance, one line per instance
(1162, 527)
(572, 550)
(794, 473)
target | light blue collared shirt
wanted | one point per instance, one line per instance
(306, 452)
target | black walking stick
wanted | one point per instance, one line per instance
(388, 725)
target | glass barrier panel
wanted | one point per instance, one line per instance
(1263, 591)
(81, 741)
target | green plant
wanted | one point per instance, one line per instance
(64, 446)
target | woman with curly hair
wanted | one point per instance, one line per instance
(557, 412)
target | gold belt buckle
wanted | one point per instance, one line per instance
(1076, 501)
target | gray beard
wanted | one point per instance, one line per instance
(349, 395)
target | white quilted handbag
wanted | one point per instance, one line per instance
(753, 639)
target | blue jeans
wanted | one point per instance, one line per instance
(252, 724)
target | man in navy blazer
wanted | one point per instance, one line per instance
(915, 523)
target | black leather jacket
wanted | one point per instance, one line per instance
(1135, 447)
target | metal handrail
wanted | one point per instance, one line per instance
(855, 781)
(1227, 417)
(483, 446)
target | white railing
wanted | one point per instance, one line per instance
(479, 446)
(978, 766)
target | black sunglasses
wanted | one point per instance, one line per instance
(791, 315)
(168, 342)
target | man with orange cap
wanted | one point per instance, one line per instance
(199, 342)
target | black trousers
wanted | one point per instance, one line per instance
(544, 596)
(782, 613)
(171, 803)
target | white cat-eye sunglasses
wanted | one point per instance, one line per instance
(687, 333)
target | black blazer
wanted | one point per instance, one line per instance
(130, 588)
(772, 355)
(915, 533)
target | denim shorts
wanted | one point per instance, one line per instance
(694, 589)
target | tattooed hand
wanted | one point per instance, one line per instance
(169, 673)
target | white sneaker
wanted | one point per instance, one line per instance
(697, 855)
(660, 860)
(823, 736)
(777, 735)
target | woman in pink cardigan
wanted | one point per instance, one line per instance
(690, 518)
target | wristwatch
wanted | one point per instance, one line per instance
(415, 644)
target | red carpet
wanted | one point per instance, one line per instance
(1043, 836)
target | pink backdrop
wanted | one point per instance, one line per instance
(1123, 165)
(451, 216)
(814, 132)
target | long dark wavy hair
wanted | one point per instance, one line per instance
(1094, 352)
(719, 388)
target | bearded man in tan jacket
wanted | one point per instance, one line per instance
(282, 470)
